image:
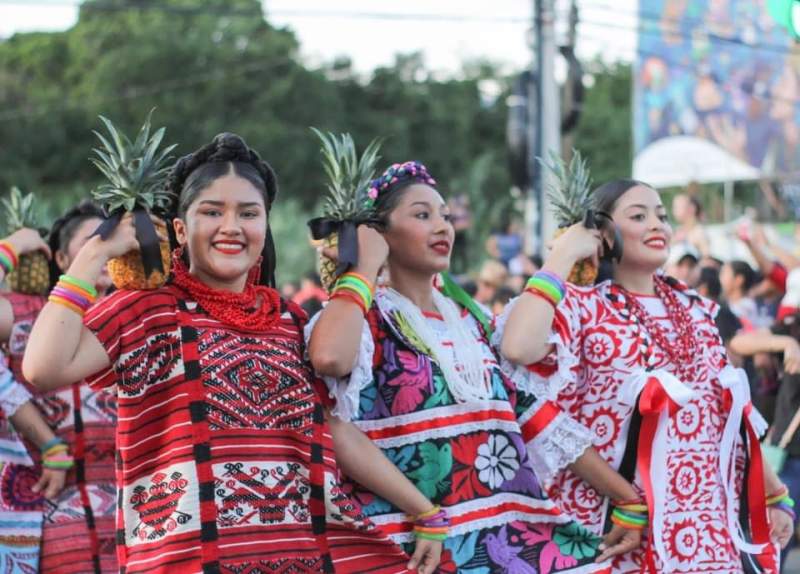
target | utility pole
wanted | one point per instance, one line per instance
(548, 113)
(571, 97)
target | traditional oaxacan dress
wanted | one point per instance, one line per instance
(692, 417)
(78, 526)
(225, 461)
(476, 459)
(20, 508)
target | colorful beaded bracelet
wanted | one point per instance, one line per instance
(782, 501)
(73, 294)
(432, 525)
(55, 455)
(354, 285)
(8, 257)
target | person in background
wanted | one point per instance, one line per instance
(687, 211)
(501, 298)
(782, 339)
(737, 279)
(311, 294)
(492, 276)
(461, 217)
(685, 268)
(506, 242)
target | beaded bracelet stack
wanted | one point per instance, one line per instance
(630, 514)
(74, 294)
(55, 455)
(547, 286)
(8, 257)
(432, 525)
(782, 501)
(356, 288)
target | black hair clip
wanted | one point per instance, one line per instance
(603, 221)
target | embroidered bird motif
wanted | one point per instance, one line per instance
(437, 463)
(505, 555)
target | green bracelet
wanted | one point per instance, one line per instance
(79, 283)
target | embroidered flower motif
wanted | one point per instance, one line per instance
(497, 461)
(600, 347)
(574, 540)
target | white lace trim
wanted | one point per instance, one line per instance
(558, 446)
(544, 388)
(12, 394)
(346, 391)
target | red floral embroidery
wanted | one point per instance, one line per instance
(466, 485)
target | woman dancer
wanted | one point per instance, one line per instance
(420, 378)
(640, 356)
(224, 459)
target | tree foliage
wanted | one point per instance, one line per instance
(209, 66)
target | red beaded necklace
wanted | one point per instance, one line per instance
(257, 308)
(681, 351)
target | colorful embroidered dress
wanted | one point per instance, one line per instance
(20, 508)
(225, 462)
(78, 526)
(476, 459)
(689, 446)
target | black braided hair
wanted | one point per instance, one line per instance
(63, 230)
(227, 153)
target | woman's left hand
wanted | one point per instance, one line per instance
(427, 554)
(781, 526)
(51, 482)
(619, 540)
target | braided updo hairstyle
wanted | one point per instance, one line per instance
(63, 230)
(227, 153)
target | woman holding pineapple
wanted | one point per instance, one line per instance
(413, 367)
(78, 526)
(638, 360)
(224, 458)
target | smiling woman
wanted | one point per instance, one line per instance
(413, 366)
(225, 462)
(638, 360)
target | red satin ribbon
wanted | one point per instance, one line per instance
(652, 402)
(538, 422)
(756, 491)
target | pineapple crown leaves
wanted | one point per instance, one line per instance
(570, 192)
(349, 176)
(20, 210)
(136, 171)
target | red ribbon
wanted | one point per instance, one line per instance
(756, 490)
(538, 422)
(652, 402)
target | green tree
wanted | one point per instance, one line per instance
(604, 133)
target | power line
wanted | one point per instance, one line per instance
(136, 92)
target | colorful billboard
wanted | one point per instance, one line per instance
(717, 93)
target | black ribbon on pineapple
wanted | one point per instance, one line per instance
(146, 235)
(323, 227)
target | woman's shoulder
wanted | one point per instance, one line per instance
(126, 304)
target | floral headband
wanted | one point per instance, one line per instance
(397, 175)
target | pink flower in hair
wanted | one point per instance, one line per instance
(373, 193)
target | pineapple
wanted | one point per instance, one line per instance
(136, 173)
(570, 198)
(32, 275)
(348, 183)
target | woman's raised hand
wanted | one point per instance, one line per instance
(575, 244)
(27, 240)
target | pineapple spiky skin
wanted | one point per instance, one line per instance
(349, 177)
(31, 276)
(136, 175)
(127, 271)
(327, 266)
(570, 197)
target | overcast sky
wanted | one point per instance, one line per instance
(448, 32)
